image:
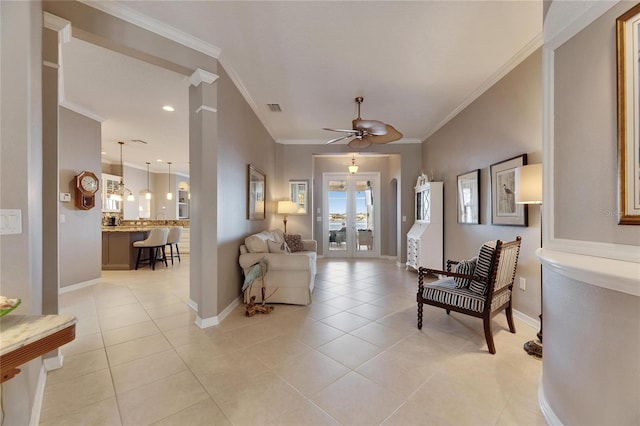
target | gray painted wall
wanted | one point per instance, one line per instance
(586, 196)
(80, 235)
(504, 122)
(21, 182)
(592, 335)
(242, 139)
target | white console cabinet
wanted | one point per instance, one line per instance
(425, 239)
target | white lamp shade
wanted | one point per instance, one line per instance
(286, 207)
(528, 182)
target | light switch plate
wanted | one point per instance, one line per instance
(10, 221)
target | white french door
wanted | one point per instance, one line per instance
(351, 218)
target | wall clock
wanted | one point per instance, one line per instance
(87, 185)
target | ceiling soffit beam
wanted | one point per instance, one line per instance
(131, 16)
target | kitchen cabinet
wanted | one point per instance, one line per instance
(109, 185)
(183, 204)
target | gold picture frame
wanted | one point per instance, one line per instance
(628, 43)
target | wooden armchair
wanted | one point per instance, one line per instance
(482, 293)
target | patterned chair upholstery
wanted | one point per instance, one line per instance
(481, 291)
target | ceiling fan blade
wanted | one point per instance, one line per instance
(360, 143)
(373, 127)
(339, 138)
(340, 130)
(392, 135)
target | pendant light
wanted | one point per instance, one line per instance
(148, 194)
(121, 190)
(169, 194)
(353, 168)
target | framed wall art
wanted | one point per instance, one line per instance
(469, 197)
(256, 193)
(504, 210)
(298, 194)
(628, 43)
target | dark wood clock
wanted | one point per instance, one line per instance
(87, 185)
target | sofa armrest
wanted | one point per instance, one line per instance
(310, 245)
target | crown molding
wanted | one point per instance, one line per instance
(323, 141)
(81, 110)
(202, 76)
(206, 108)
(131, 16)
(515, 60)
(58, 24)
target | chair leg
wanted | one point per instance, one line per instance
(448, 311)
(171, 249)
(152, 258)
(509, 313)
(164, 257)
(178, 252)
(488, 335)
(419, 315)
(138, 258)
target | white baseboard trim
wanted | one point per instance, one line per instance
(548, 413)
(387, 257)
(78, 286)
(36, 408)
(193, 305)
(55, 362)
(533, 322)
(209, 322)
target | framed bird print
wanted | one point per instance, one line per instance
(504, 210)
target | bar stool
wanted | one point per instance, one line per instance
(174, 237)
(156, 240)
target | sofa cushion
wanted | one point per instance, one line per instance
(278, 247)
(483, 267)
(294, 241)
(257, 243)
(465, 267)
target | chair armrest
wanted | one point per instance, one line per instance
(310, 245)
(450, 274)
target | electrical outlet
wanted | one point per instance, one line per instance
(523, 284)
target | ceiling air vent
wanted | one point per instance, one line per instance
(139, 141)
(274, 107)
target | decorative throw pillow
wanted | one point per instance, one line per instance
(294, 241)
(483, 267)
(277, 247)
(465, 267)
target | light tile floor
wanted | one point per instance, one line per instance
(352, 357)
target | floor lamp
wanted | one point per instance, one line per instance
(528, 184)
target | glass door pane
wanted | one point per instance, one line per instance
(337, 202)
(364, 215)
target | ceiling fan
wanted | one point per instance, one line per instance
(366, 132)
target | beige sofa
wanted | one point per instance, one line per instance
(289, 278)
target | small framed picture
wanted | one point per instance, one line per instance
(504, 210)
(256, 193)
(469, 197)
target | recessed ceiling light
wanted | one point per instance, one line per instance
(168, 108)
(159, 160)
(104, 153)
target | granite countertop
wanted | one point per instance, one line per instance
(20, 330)
(128, 228)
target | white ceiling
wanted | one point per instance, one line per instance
(416, 63)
